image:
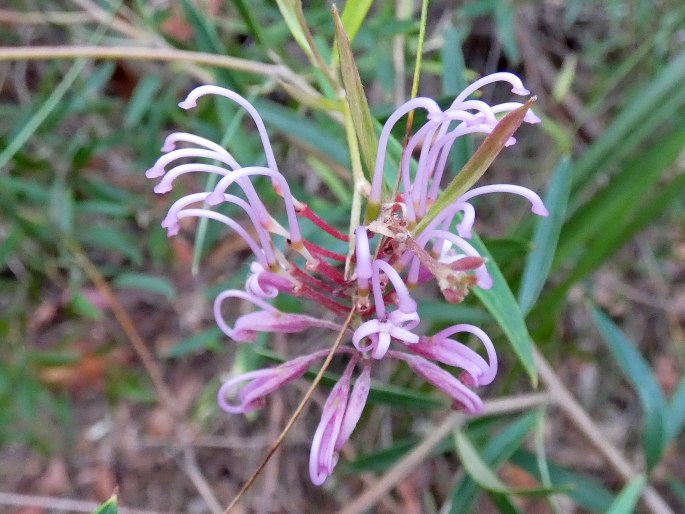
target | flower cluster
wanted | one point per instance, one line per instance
(374, 283)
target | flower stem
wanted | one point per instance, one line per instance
(296, 414)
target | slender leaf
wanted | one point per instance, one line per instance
(676, 410)
(109, 507)
(584, 491)
(677, 488)
(381, 460)
(639, 374)
(251, 24)
(453, 81)
(142, 100)
(356, 98)
(320, 140)
(597, 219)
(496, 451)
(625, 502)
(146, 282)
(504, 504)
(289, 10)
(500, 302)
(638, 113)
(353, 15)
(209, 339)
(478, 469)
(545, 238)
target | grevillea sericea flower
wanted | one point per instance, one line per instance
(386, 261)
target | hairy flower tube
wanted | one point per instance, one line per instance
(376, 280)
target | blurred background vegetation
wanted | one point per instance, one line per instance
(88, 91)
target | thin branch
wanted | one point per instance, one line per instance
(418, 455)
(138, 53)
(296, 414)
(11, 17)
(579, 417)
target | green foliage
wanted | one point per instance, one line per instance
(109, 507)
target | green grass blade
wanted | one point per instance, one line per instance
(353, 15)
(109, 507)
(639, 374)
(356, 98)
(625, 502)
(289, 11)
(584, 491)
(500, 302)
(480, 471)
(496, 452)
(676, 410)
(547, 230)
(321, 141)
(639, 112)
(597, 219)
(148, 283)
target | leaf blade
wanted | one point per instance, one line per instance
(545, 237)
(355, 97)
(639, 374)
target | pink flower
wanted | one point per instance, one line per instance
(262, 382)
(374, 282)
(340, 416)
(462, 397)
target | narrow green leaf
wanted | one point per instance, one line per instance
(504, 504)
(625, 502)
(356, 98)
(146, 282)
(321, 140)
(676, 410)
(251, 24)
(479, 162)
(111, 238)
(496, 452)
(639, 374)
(481, 472)
(141, 100)
(597, 219)
(353, 15)
(82, 306)
(380, 460)
(62, 206)
(209, 339)
(289, 12)
(204, 31)
(474, 465)
(504, 22)
(545, 238)
(500, 302)
(584, 491)
(453, 81)
(639, 113)
(677, 488)
(109, 507)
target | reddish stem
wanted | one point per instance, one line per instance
(328, 271)
(316, 249)
(323, 300)
(307, 213)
